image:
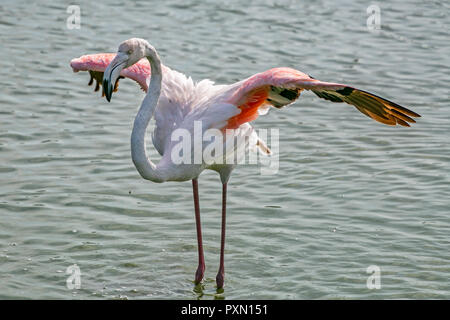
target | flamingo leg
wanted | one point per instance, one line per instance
(221, 273)
(201, 259)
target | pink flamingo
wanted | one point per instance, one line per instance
(175, 101)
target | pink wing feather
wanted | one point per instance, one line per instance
(282, 86)
(97, 63)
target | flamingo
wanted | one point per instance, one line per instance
(175, 101)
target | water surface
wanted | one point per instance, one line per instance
(349, 193)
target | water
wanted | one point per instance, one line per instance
(350, 193)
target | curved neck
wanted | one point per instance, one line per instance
(146, 168)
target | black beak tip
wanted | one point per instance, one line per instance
(107, 90)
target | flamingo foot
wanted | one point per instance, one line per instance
(220, 278)
(199, 273)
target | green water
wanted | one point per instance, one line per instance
(349, 193)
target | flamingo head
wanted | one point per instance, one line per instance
(129, 52)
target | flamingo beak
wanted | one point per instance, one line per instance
(112, 73)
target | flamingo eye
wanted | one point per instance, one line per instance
(130, 51)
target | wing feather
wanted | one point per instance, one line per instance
(282, 86)
(97, 63)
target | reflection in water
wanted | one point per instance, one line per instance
(198, 290)
(202, 293)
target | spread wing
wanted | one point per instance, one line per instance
(279, 87)
(97, 63)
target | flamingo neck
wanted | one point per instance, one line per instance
(146, 168)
